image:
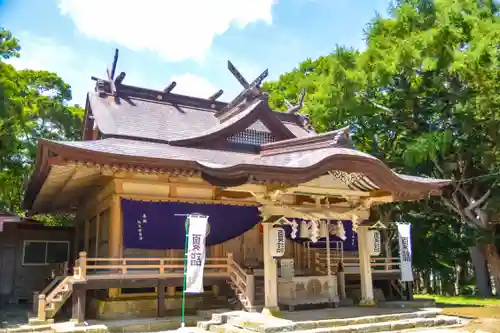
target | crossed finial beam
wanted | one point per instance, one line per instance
(253, 87)
(296, 108)
(241, 79)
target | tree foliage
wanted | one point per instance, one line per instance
(33, 105)
(424, 97)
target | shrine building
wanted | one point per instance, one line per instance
(149, 157)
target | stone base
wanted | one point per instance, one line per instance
(143, 307)
(36, 321)
(272, 312)
(367, 302)
(239, 321)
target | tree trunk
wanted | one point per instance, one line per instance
(481, 269)
(456, 282)
(427, 282)
(494, 263)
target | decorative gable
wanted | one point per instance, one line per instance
(256, 134)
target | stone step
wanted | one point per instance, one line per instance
(426, 314)
(207, 314)
(457, 328)
(286, 326)
(389, 326)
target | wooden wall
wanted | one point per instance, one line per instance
(18, 281)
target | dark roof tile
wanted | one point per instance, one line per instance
(216, 159)
(149, 120)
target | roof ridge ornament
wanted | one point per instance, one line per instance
(342, 137)
(101, 85)
(293, 109)
(216, 95)
(250, 91)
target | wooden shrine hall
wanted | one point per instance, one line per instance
(148, 156)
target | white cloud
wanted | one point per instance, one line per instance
(41, 53)
(193, 85)
(175, 29)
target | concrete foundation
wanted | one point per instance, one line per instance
(144, 307)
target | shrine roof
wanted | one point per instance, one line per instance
(236, 142)
(167, 120)
(292, 167)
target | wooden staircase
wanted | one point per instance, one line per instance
(397, 287)
(244, 286)
(52, 298)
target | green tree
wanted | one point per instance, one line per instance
(33, 105)
(424, 97)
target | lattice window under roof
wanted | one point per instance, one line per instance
(252, 137)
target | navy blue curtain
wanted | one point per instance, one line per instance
(155, 226)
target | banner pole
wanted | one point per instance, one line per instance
(184, 277)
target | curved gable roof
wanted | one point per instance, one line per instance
(177, 124)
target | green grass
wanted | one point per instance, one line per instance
(462, 300)
(468, 306)
(484, 313)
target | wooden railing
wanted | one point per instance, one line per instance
(351, 264)
(59, 273)
(245, 283)
(93, 268)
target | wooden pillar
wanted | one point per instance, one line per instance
(115, 236)
(41, 315)
(76, 240)
(160, 299)
(78, 299)
(409, 289)
(341, 282)
(97, 227)
(115, 228)
(86, 235)
(270, 274)
(171, 291)
(365, 269)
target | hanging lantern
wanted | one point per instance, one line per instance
(374, 242)
(277, 242)
(304, 230)
(323, 229)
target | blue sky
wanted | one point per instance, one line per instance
(188, 41)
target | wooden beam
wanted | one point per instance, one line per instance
(300, 212)
(250, 188)
(115, 228)
(313, 190)
(170, 87)
(160, 299)
(97, 198)
(78, 303)
(86, 236)
(97, 228)
(189, 200)
(115, 235)
(119, 79)
(216, 95)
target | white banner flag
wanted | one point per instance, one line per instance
(405, 251)
(196, 253)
